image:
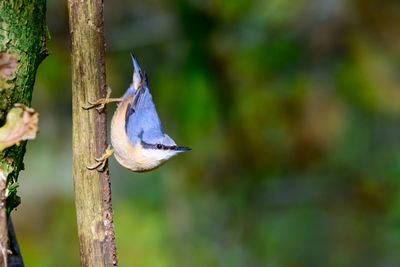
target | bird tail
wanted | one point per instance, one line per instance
(138, 78)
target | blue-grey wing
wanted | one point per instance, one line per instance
(141, 120)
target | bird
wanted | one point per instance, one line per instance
(137, 137)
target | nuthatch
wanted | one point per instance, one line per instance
(136, 134)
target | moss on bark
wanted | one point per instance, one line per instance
(23, 34)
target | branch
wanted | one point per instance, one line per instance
(92, 188)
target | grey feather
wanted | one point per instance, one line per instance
(142, 117)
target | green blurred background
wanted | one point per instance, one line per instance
(292, 109)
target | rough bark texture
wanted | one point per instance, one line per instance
(92, 188)
(23, 34)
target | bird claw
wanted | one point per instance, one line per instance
(96, 166)
(101, 161)
(100, 103)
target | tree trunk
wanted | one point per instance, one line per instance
(23, 34)
(92, 188)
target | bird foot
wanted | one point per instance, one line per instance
(101, 162)
(100, 103)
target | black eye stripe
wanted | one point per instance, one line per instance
(156, 146)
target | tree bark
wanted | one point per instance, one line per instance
(23, 35)
(92, 188)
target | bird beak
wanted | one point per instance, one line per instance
(182, 148)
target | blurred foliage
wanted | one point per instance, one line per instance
(292, 111)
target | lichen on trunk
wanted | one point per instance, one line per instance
(23, 35)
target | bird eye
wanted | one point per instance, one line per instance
(159, 146)
(173, 147)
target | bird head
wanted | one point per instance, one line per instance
(162, 149)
